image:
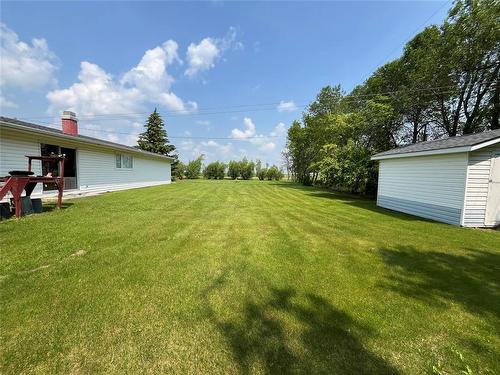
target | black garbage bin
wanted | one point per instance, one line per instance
(5, 211)
(26, 206)
(36, 204)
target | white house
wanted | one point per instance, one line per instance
(92, 165)
(454, 180)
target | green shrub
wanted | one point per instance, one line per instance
(262, 174)
(193, 169)
(273, 173)
(214, 170)
(178, 171)
(246, 169)
(233, 169)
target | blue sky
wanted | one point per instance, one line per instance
(228, 77)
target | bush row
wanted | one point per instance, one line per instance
(217, 170)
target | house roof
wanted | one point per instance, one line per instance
(449, 145)
(27, 126)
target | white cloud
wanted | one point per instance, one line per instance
(279, 130)
(269, 146)
(286, 106)
(25, 66)
(249, 133)
(247, 142)
(210, 143)
(101, 132)
(150, 75)
(203, 56)
(98, 92)
(187, 145)
(249, 130)
(211, 150)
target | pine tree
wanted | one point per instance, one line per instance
(155, 139)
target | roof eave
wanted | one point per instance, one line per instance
(451, 150)
(84, 140)
(485, 144)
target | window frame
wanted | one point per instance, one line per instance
(121, 161)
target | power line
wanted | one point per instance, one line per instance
(263, 137)
(191, 137)
(428, 91)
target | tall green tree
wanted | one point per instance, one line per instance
(154, 138)
(258, 166)
(328, 101)
(468, 65)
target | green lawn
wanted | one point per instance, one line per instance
(245, 277)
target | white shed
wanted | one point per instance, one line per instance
(92, 165)
(454, 180)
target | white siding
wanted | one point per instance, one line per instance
(13, 150)
(427, 186)
(96, 171)
(476, 193)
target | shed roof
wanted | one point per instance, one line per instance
(449, 145)
(27, 126)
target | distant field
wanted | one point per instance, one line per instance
(245, 277)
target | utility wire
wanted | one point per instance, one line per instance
(230, 138)
(346, 99)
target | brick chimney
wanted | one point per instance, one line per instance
(69, 123)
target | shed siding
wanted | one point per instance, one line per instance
(428, 186)
(476, 193)
(95, 166)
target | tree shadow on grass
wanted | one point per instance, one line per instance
(359, 201)
(439, 278)
(290, 333)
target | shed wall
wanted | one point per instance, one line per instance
(427, 186)
(476, 193)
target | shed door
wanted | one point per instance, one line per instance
(493, 205)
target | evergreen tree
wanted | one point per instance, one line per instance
(154, 139)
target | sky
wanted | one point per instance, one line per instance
(228, 78)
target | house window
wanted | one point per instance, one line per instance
(124, 161)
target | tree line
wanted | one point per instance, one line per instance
(236, 169)
(446, 83)
(155, 139)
